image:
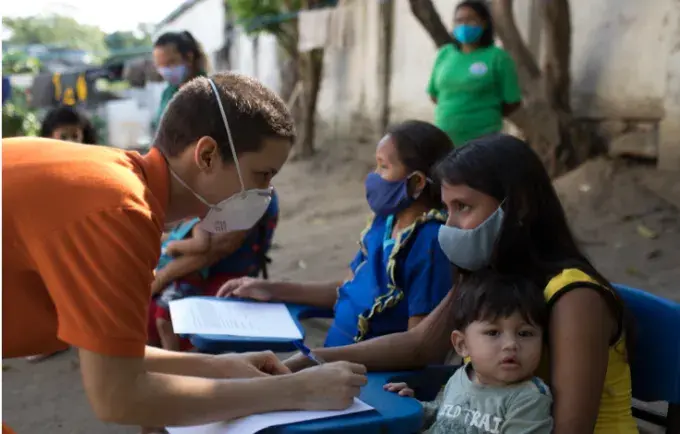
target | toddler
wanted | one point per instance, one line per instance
(194, 263)
(498, 329)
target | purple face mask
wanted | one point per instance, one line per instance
(387, 197)
(174, 75)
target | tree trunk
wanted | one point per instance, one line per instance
(385, 65)
(289, 74)
(547, 122)
(311, 64)
(427, 15)
(287, 39)
(538, 119)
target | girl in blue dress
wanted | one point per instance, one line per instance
(400, 273)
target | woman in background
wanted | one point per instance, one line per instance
(67, 123)
(178, 58)
(473, 83)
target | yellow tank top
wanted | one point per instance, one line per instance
(615, 415)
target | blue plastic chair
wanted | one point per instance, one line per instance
(655, 364)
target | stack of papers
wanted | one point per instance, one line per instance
(258, 422)
(196, 315)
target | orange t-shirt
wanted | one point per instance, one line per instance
(81, 236)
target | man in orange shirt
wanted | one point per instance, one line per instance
(81, 237)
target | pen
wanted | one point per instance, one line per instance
(308, 353)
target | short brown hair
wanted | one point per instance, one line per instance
(487, 295)
(253, 111)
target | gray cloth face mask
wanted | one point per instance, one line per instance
(471, 249)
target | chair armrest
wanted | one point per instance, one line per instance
(673, 419)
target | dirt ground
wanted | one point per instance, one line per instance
(629, 231)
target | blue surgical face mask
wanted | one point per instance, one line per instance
(471, 249)
(467, 33)
(175, 75)
(387, 197)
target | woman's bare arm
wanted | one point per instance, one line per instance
(426, 343)
(415, 320)
(323, 295)
(581, 329)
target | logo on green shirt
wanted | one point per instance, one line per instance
(478, 68)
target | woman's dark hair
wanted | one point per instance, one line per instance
(420, 146)
(185, 44)
(66, 115)
(535, 240)
(480, 7)
(488, 296)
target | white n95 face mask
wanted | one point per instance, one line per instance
(240, 211)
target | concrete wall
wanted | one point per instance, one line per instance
(257, 57)
(349, 100)
(351, 88)
(669, 128)
(620, 57)
(412, 59)
(625, 66)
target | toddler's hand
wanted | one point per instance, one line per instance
(401, 388)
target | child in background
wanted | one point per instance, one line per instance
(499, 323)
(67, 123)
(194, 263)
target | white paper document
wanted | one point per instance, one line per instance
(231, 317)
(258, 422)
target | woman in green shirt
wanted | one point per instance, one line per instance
(178, 58)
(473, 82)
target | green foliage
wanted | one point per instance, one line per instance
(128, 39)
(101, 127)
(17, 118)
(55, 30)
(17, 62)
(258, 16)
